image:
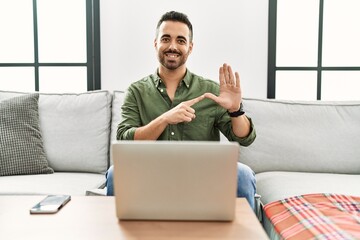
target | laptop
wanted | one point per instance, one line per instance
(175, 180)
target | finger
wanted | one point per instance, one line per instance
(226, 73)
(231, 76)
(237, 76)
(194, 100)
(221, 76)
(187, 119)
(211, 96)
(190, 115)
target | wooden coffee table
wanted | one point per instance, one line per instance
(95, 218)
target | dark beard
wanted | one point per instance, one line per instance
(172, 65)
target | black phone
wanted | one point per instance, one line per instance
(50, 204)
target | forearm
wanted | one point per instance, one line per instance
(241, 126)
(151, 131)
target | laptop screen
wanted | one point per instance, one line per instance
(167, 180)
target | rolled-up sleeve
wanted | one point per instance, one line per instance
(249, 139)
(225, 126)
(130, 118)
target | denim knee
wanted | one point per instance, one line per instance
(246, 184)
(110, 181)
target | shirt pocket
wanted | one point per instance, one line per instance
(199, 129)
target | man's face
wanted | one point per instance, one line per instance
(172, 44)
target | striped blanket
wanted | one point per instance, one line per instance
(316, 216)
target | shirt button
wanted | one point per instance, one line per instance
(161, 90)
(172, 133)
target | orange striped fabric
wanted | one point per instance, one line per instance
(316, 216)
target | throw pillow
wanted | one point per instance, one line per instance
(21, 145)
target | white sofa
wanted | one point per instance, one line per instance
(303, 147)
(76, 132)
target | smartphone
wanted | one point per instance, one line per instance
(50, 204)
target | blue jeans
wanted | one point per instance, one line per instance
(246, 183)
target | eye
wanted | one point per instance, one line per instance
(165, 39)
(181, 41)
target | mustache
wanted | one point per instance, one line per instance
(172, 51)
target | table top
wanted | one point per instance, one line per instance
(95, 218)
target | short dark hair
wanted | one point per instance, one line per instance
(176, 17)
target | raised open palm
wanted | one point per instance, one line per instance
(230, 90)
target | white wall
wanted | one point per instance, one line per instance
(231, 31)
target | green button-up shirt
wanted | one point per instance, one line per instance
(147, 99)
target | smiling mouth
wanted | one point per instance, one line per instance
(171, 55)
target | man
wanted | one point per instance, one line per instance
(174, 104)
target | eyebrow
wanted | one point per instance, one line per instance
(165, 35)
(181, 37)
(178, 37)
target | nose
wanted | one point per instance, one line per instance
(173, 45)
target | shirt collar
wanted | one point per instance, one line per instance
(186, 80)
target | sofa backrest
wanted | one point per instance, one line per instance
(118, 100)
(304, 136)
(75, 129)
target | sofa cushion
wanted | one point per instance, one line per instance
(273, 186)
(21, 144)
(313, 136)
(58, 183)
(75, 129)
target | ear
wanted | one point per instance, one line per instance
(155, 43)
(191, 45)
